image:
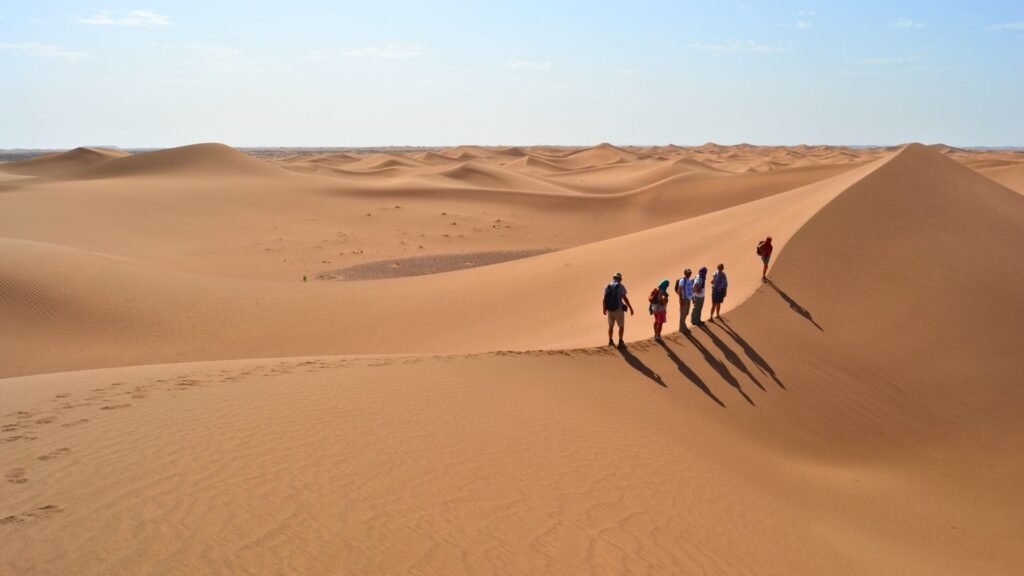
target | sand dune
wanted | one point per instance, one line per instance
(1011, 175)
(295, 318)
(599, 155)
(59, 163)
(202, 159)
(859, 414)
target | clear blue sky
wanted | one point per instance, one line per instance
(309, 73)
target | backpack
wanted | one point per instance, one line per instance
(760, 248)
(611, 296)
(682, 284)
(654, 298)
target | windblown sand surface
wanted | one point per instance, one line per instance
(176, 400)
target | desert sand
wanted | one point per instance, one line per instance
(393, 362)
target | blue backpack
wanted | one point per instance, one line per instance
(612, 296)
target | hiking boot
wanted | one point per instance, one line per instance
(611, 342)
(622, 344)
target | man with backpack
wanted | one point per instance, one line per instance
(614, 306)
(764, 250)
(699, 284)
(684, 288)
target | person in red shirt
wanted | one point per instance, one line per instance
(764, 250)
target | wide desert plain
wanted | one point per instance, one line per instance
(394, 362)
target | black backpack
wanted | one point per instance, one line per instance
(611, 296)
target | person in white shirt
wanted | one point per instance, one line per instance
(699, 284)
(684, 288)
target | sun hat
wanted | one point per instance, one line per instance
(617, 276)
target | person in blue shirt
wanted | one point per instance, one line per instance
(719, 284)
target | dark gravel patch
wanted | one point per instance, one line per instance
(423, 265)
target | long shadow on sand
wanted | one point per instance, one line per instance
(756, 358)
(730, 355)
(636, 364)
(718, 366)
(795, 305)
(690, 374)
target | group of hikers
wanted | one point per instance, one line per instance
(689, 289)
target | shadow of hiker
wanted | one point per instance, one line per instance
(795, 306)
(690, 374)
(640, 367)
(730, 355)
(719, 367)
(756, 358)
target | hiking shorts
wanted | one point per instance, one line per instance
(766, 258)
(617, 317)
(717, 296)
(660, 317)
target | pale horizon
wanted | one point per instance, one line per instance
(319, 74)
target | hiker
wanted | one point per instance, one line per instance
(698, 295)
(719, 283)
(684, 288)
(764, 250)
(659, 307)
(614, 309)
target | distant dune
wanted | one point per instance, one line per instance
(197, 159)
(62, 162)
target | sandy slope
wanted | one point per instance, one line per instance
(1011, 176)
(857, 415)
(114, 311)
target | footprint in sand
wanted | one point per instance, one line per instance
(115, 406)
(9, 439)
(44, 511)
(16, 476)
(36, 513)
(55, 454)
(75, 423)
